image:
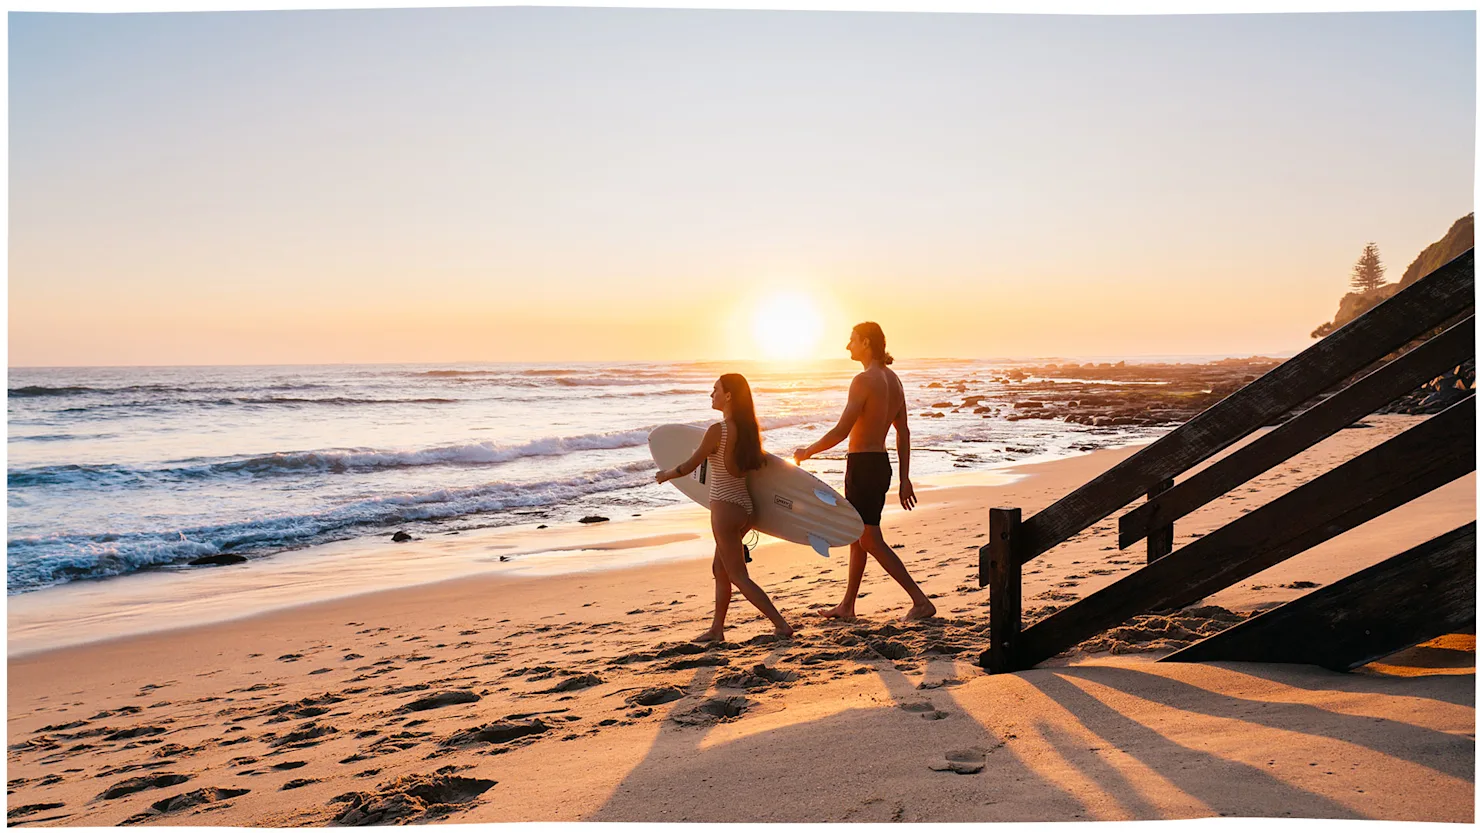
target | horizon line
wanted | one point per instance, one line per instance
(1127, 357)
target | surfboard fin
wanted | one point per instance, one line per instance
(819, 545)
(825, 497)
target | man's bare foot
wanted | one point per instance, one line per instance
(785, 631)
(710, 635)
(843, 612)
(923, 610)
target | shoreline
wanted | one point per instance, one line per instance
(87, 612)
(354, 482)
(576, 697)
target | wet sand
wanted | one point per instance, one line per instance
(526, 697)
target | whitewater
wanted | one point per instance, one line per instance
(118, 470)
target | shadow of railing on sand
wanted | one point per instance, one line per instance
(1223, 785)
(1387, 736)
(852, 752)
(834, 768)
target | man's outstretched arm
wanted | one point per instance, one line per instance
(856, 394)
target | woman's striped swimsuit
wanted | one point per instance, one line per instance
(723, 485)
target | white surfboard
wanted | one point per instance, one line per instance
(790, 503)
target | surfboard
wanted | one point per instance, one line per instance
(790, 503)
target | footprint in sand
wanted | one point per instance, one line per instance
(28, 809)
(713, 710)
(174, 804)
(130, 786)
(135, 732)
(410, 798)
(289, 764)
(575, 683)
(440, 699)
(311, 733)
(499, 732)
(961, 761)
(656, 696)
(924, 709)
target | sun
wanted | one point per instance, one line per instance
(786, 326)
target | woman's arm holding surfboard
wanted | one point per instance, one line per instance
(857, 393)
(707, 446)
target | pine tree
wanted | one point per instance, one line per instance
(1367, 274)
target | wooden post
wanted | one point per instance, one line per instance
(1159, 539)
(1006, 576)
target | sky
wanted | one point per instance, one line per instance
(556, 184)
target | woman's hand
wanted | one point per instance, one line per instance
(665, 475)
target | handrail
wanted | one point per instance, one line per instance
(1437, 451)
(1361, 398)
(1413, 311)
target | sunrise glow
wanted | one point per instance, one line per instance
(787, 326)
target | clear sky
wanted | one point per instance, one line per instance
(543, 184)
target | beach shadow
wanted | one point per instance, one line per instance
(836, 768)
(1431, 687)
(1093, 767)
(1397, 739)
(1202, 775)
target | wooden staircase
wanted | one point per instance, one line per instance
(1340, 626)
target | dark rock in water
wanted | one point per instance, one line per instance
(594, 519)
(400, 537)
(543, 526)
(214, 560)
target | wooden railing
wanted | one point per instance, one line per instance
(1407, 466)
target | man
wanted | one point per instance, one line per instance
(875, 402)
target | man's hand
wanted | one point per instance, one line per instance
(800, 454)
(907, 494)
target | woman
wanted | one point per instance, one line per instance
(733, 448)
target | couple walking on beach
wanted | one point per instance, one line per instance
(733, 448)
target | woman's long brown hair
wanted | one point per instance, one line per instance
(747, 446)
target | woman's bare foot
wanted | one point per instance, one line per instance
(710, 635)
(843, 612)
(923, 610)
(784, 631)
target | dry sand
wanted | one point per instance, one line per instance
(576, 697)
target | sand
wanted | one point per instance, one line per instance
(576, 697)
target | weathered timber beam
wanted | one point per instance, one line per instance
(1414, 596)
(1399, 377)
(1417, 309)
(1423, 458)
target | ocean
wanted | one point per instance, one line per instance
(117, 470)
